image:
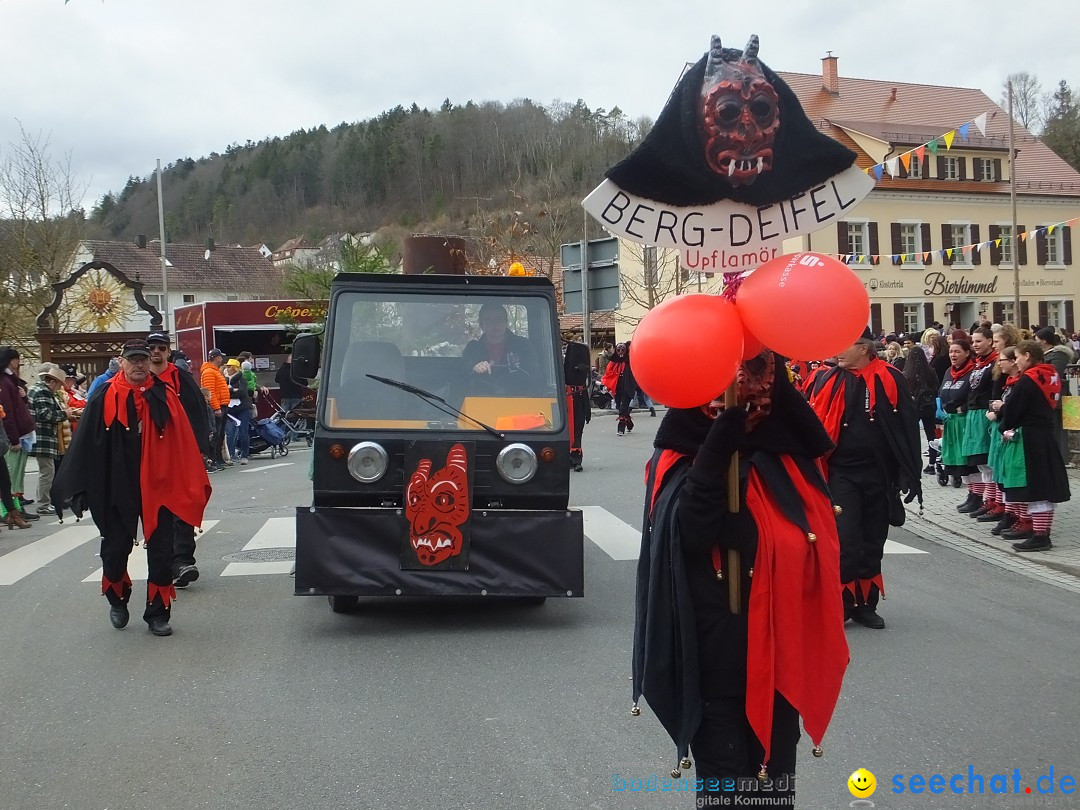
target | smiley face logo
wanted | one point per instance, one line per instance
(862, 784)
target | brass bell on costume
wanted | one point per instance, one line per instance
(763, 774)
(811, 537)
(838, 510)
(818, 751)
(635, 710)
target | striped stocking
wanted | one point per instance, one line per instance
(1041, 522)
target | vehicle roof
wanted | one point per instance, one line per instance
(524, 283)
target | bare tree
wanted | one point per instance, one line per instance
(1027, 98)
(42, 223)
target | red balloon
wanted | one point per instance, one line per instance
(687, 350)
(804, 305)
(752, 347)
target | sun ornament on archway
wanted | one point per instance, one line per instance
(99, 302)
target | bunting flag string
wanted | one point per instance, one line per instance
(933, 145)
(948, 253)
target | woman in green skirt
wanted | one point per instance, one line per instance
(1006, 459)
(954, 394)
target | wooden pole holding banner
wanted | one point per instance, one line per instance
(734, 577)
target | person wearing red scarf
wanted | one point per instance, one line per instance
(738, 631)
(867, 410)
(1028, 414)
(135, 457)
(976, 444)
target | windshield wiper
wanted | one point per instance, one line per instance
(433, 399)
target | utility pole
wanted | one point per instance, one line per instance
(1013, 235)
(164, 264)
(586, 331)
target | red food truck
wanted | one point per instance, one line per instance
(237, 326)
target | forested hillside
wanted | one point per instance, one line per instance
(412, 168)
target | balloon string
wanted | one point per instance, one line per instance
(734, 574)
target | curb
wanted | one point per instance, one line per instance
(990, 541)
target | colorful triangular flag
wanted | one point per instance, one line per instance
(976, 246)
(890, 164)
(949, 138)
(920, 151)
(932, 146)
(962, 131)
(980, 122)
(877, 172)
(905, 160)
(1024, 235)
(926, 256)
(1050, 230)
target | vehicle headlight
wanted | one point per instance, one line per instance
(368, 462)
(516, 463)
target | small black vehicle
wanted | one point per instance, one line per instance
(441, 447)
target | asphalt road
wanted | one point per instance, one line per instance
(263, 699)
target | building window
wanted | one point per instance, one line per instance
(189, 298)
(909, 243)
(1006, 245)
(1054, 314)
(987, 175)
(154, 300)
(952, 168)
(1008, 312)
(915, 168)
(1053, 246)
(858, 238)
(911, 317)
(960, 237)
(232, 297)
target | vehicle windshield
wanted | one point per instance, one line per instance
(491, 356)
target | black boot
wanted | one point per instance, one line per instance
(982, 510)
(957, 482)
(118, 615)
(1006, 522)
(972, 503)
(1037, 542)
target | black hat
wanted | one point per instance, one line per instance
(133, 348)
(215, 353)
(69, 371)
(157, 337)
(679, 163)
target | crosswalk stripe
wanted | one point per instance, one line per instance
(262, 468)
(23, 561)
(277, 532)
(137, 560)
(892, 547)
(616, 538)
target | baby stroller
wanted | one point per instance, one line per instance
(298, 422)
(266, 434)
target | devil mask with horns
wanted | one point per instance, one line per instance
(731, 130)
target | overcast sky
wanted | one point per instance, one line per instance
(120, 83)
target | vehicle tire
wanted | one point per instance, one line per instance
(310, 441)
(272, 452)
(283, 451)
(343, 604)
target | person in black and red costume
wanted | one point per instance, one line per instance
(576, 369)
(619, 380)
(135, 457)
(183, 384)
(738, 630)
(867, 410)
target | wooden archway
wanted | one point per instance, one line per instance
(90, 352)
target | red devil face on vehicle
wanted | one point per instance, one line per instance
(436, 506)
(740, 114)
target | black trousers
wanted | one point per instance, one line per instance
(863, 525)
(622, 402)
(727, 754)
(5, 486)
(115, 548)
(183, 545)
(219, 437)
(577, 405)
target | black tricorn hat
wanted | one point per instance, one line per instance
(671, 165)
